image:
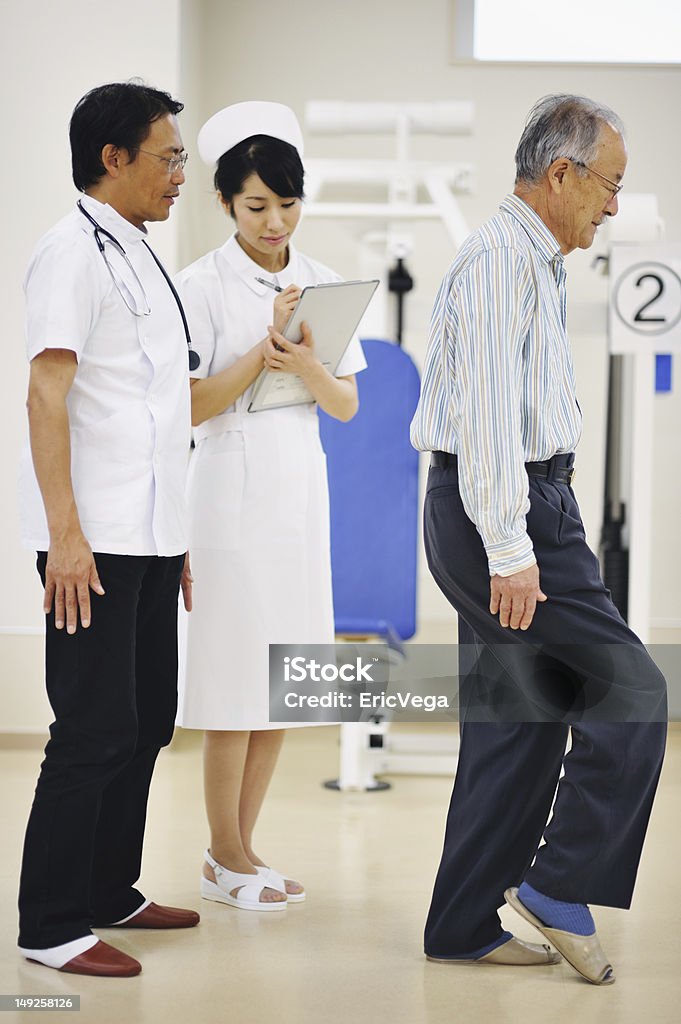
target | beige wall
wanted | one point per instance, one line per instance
(212, 52)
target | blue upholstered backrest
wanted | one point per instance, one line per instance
(373, 483)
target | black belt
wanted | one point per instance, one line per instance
(558, 470)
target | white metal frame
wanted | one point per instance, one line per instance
(404, 180)
(638, 221)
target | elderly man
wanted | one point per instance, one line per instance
(506, 545)
(103, 504)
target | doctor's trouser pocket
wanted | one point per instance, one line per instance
(216, 496)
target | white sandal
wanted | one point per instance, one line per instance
(277, 881)
(249, 888)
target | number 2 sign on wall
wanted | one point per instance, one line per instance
(645, 299)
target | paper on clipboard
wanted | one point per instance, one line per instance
(333, 312)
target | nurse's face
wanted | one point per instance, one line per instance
(265, 222)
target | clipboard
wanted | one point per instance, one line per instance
(333, 312)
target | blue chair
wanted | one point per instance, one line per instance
(373, 485)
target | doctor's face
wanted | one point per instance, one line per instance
(146, 188)
(265, 222)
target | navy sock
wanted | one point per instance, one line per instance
(568, 917)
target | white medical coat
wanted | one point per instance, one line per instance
(128, 406)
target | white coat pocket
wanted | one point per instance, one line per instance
(216, 492)
(111, 468)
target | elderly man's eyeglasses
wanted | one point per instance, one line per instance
(175, 163)
(611, 186)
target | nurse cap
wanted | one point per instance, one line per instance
(240, 121)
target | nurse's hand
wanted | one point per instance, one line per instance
(186, 581)
(69, 574)
(288, 356)
(284, 304)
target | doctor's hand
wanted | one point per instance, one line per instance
(186, 581)
(515, 597)
(284, 304)
(290, 357)
(69, 575)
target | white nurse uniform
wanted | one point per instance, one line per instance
(259, 504)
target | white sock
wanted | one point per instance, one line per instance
(57, 956)
(130, 916)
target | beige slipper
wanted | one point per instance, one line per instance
(583, 952)
(514, 953)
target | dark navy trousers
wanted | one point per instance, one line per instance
(113, 690)
(510, 762)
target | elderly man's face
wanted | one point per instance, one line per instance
(584, 202)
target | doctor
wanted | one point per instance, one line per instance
(102, 502)
(259, 507)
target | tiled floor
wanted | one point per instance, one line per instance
(352, 952)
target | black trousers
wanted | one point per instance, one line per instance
(113, 691)
(509, 765)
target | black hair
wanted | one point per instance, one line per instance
(276, 162)
(119, 114)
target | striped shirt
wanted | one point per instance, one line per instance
(498, 385)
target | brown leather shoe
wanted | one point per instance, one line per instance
(104, 961)
(154, 916)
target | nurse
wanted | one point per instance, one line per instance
(259, 506)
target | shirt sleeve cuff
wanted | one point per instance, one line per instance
(510, 556)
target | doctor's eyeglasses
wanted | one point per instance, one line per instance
(175, 163)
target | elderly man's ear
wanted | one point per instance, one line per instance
(557, 171)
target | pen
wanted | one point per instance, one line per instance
(270, 284)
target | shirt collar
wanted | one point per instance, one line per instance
(540, 236)
(247, 269)
(109, 219)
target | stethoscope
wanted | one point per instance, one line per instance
(194, 357)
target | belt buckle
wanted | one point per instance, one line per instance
(572, 474)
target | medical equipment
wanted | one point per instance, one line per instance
(373, 490)
(400, 282)
(416, 190)
(626, 544)
(138, 304)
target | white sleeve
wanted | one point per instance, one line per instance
(64, 292)
(191, 287)
(353, 360)
(493, 300)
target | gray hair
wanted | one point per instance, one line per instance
(561, 125)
